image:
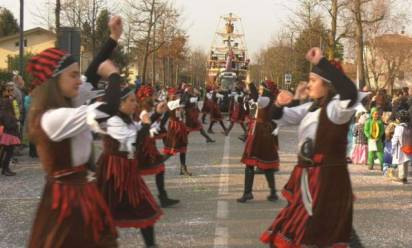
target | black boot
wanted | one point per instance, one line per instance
(8, 172)
(229, 129)
(165, 201)
(243, 138)
(204, 119)
(7, 156)
(148, 236)
(183, 167)
(204, 134)
(210, 129)
(184, 171)
(270, 178)
(247, 193)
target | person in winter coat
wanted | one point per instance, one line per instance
(401, 146)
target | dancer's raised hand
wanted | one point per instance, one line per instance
(116, 27)
(284, 98)
(314, 55)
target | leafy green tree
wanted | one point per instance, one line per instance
(314, 35)
(8, 24)
(13, 65)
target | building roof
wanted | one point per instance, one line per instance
(393, 40)
(26, 33)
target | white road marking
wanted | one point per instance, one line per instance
(221, 232)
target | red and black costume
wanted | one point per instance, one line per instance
(71, 212)
(192, 112)
(215, 113)
(119, 178)
(237, 110)
(151, 161)
(206, 108)
(319, 192)
(261, 145)
(176, 139)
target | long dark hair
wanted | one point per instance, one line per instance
(45, 97)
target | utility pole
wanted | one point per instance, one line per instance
(21, 44)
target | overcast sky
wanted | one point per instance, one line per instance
(262, 19)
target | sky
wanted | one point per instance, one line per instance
(261, 21)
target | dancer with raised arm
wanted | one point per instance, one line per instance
(72, 212)
(319, 192)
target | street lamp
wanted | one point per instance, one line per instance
(21, 45)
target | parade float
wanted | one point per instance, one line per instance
(228, 61)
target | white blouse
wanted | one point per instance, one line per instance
(124, 133)
(74, 124)
(337, 111)
(399, 157)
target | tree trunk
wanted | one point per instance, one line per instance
(332, 34)
(154, 54)
(57, 23)
(164, 71)
(147, 46)
(359, 45)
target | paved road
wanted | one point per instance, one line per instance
(209, 215)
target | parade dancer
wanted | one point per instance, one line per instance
(206, 103)
(190, 100)
(215, 114)
(261, 146)
(238, 112)
(72, 212)
(151, 162)
(63, 137)
(119, 171)
(176, 139)
(319, 192)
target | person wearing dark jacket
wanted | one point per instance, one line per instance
(9, 123)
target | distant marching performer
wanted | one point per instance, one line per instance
(238, 112)
(190, 100)
(176, 139)
(206, 103)
(215, 114)
(319, 192)
(261, 146)
(119, 170)
(151, 161)
(72, 212)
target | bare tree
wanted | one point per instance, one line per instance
(388, 49)
(364, 12)
(338, 29)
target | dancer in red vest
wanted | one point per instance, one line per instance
(71, 212)
(190, 100)
(176, 139)
(261, 146)
(150, 159)
(119, 170)
(319, 192)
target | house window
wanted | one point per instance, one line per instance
(18, 43)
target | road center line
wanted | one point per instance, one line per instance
(221, 232)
